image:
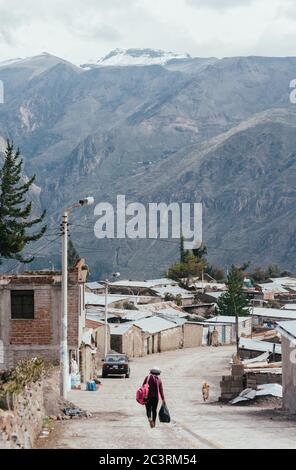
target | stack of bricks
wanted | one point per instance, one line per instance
(259, 378)
(232, 385)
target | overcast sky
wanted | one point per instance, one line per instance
(79, 30)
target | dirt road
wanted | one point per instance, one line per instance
(119, 422)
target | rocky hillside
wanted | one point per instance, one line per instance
(185, 129)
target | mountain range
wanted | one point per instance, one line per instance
(159, 127)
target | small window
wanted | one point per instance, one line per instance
(22, 304)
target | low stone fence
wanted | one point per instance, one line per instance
(25, 405)
(20, 427)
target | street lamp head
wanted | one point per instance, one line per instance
(88, 201)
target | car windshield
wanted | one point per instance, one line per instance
(115, 359)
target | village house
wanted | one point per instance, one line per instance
(287, 331)
(140, 288)
(225, 328)
(269, 316)
(282, 289)
(162, 335)
(126, 338)
(250, 348)
(30, 314)
(117, 300)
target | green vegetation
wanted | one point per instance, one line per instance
(15, 212)
(234, 301)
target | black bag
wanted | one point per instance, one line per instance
(164, 414)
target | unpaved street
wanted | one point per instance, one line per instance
(118, 421)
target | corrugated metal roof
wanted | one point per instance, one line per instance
(155, 324)
(227, 319)
(94, 285)
(289, 307)
(172, 312)
(120, 328)
(95, 299)
(273, 313)
(209, 285)
(173, 290)
(257, 345)
(279, 284)
(134, 316)
(287, 329)
(142, 284)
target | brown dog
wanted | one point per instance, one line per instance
(205, 391)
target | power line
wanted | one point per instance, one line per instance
(32, 254)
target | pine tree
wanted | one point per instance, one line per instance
(234, 302)
(15, 222)
(73, 255)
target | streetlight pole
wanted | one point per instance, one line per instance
(114, 275)
(64, 356)
(106, 320)
(64, 337)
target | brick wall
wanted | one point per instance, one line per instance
(39, 330)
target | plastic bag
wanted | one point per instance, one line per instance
(164, 414)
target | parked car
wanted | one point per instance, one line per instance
(116, 364)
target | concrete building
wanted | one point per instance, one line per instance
(30, 314)
(288, 333)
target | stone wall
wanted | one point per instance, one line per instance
(19, 428)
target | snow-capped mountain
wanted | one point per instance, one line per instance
(139, 57)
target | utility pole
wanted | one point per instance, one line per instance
(106, 320)
(114, 275)
(64, 338)
(64, 355)
(237, 332)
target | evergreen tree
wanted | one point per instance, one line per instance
(73, 255)
(234, 301)
(15, 222)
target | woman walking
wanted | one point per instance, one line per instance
(154, 395)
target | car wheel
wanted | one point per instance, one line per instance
(127, 376)
(104, 375)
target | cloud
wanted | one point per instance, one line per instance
(220, 4)
(79, 29)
